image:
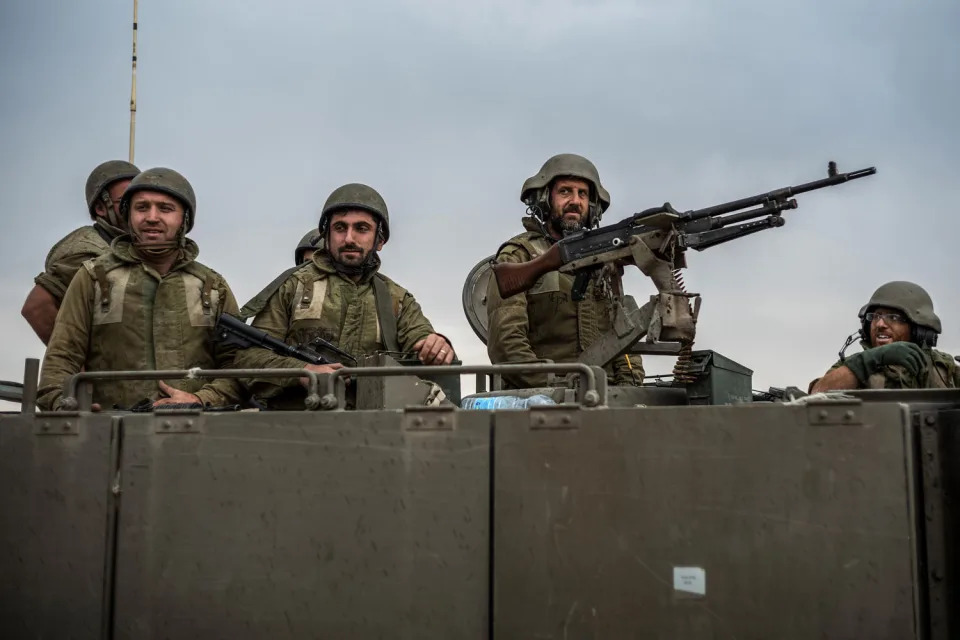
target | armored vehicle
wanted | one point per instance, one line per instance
(674, 512)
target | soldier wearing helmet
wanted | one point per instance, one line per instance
(104, 187)
(898, 330)
(341, 297)
(307, 247)
(145, 304)
(545, 323)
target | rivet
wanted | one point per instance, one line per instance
(930, 420)
(189, 424)
(167, 425)
(848, 415)
(418, 422)
(541, 420)
(823, 414)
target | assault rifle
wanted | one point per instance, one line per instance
(655, 241)
(233, 331)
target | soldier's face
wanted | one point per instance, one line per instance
(115, 191)
(352, 236)
(569, 203)
(888, 326)
(155, 217)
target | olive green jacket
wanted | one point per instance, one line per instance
(317, 301)
(65, 258)
(941, 372)
(544, 322)
(119, 313)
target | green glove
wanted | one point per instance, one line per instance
(905, 354)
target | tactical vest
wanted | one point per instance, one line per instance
(141, 323)
(553, 292)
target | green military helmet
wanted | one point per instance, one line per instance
(103, 176)
(165, 181)
(908, 298)
(356, 196)
(311, 241)
(566, 164)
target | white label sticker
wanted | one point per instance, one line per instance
(690, 580)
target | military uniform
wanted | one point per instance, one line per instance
(358, 310)
(941, 372)
(65, 258)
(89, 242)
(119, 313)
(545, 322)
(903, 364)
(317, 301)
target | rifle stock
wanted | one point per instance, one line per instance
(516, 277)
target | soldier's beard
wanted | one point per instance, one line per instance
(370, 262)
(564, 227)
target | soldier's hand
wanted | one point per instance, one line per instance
(175, 396)
(905, 354)
(320, 368)
(434, 349)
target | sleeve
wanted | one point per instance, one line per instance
(69, 344)
(508, 323)
(274, 319)
(223, 391)
(412, 325)
(61, 269)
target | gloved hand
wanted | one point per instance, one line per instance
(905, 354)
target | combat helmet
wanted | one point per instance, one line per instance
(911, 300)
(165, 181)
(310, 241)
(103, 175)
(534, 190)
(356, 196)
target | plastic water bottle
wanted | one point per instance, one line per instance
(505, 402)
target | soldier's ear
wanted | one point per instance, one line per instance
(380, 244)
(99, 209)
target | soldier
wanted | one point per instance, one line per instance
(545, 323)
(340, 296)
(146, 304)
(898, 330)
(305, 250)
(105, 185)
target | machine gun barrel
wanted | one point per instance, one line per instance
(833, 178)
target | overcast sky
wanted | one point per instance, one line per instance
(447, 107)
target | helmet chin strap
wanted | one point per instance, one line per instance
(371, 262)
(160, 250)
(112, 223)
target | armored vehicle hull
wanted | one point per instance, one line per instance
(820, 518)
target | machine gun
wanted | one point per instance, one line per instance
(233, 331)
(655, 240)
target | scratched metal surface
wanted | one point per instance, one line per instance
(294, 524)
(801, 531)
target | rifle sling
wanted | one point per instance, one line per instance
(388, 322)
(259, 301)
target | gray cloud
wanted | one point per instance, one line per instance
(446, 108)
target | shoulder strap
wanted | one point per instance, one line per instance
(533, 243)
(388, 322)
(259, 301)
